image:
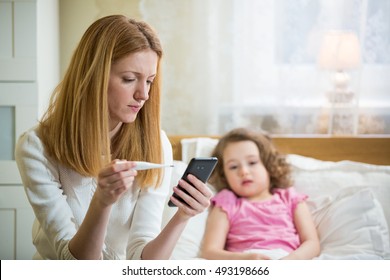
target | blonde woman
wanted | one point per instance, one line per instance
(107, 107)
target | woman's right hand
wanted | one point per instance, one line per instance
(114, 180)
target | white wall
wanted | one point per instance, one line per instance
(48, 51)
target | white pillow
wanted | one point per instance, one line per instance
(188, 149)
(188, 245)
(342, 185)
(318, 178)
(351, 224)
(197, 147)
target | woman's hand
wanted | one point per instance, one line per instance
(198, 197)
(196, 201)
(114, 180)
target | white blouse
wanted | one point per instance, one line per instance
(60, 198)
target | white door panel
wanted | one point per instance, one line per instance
(16, 219)
(18, 48)
(18, 112)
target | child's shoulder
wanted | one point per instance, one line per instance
(227, 201)
(224, 196)
(289, 194)
(285, 191)
(225, 193)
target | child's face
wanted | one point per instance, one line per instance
(244, 170)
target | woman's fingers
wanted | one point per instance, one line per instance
(115, 167)
(114, 179)
(200, 186)
(196, 196)
(117, 171)
(121, 178)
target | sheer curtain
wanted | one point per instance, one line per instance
(254, 63)
(278, 84)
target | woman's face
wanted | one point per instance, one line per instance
(244, 170)
(129, 85)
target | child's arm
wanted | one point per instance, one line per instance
(310, 245)
(214, 239)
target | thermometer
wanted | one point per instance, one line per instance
(144, 165)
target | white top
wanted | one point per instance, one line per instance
(60, 198)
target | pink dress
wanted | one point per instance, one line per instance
(260, 225)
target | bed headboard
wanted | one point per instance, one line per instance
(373, 150)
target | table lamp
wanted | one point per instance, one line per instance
(339, 52)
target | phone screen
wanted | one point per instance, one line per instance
(201, 168)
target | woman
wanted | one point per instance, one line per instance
(87, 204)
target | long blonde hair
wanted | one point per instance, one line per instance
(75, 128)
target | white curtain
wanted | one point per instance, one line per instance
(253, 63)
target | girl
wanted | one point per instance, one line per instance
(256, 214)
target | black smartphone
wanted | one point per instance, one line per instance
(201, 168)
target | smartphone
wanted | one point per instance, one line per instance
(201, 168)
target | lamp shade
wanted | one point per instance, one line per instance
(340, 50)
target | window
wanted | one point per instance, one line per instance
(278, 85)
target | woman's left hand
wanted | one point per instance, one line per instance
(196, 201)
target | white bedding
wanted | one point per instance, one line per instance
(350, 203)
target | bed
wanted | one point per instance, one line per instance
(347, 180)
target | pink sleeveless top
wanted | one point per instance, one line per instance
(260, 225)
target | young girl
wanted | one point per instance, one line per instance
(256, 214)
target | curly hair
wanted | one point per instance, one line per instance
(275, 162)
